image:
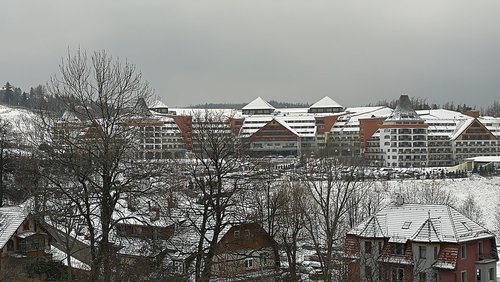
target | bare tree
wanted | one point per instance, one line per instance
(426, 192)
(90, 161)
(471, 209)
(5, 157)
(332, 187)
(216, 182)
(291, 221)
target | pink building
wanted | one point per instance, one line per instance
(417, 242)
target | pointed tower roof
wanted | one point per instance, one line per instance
(404, 110)
(141, 108)
(326, 105)
(326, 102)
(258, 104)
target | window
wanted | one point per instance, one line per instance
(368, 247)
(478, 274)
(178, 266)
(247, 234)
(463, 276)
(249, 263)
(263, 259)
(397, 275)
(398, 249)
(406, 225)
(466, 226)
(491, 274)
(422, 252)
(435, 252)
(480, 248)
(26, 225)
(463, 251)
(380, 246)
(237, 234)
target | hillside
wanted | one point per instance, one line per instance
(486, 191)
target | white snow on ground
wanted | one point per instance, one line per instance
(59, 255)
(17, 117)
(486, 191)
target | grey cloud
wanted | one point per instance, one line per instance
(214, 51)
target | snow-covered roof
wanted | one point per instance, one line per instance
(350, 120)
(59, 255)
(258, 104)
(10, 219)
(202, 112)
(326, 102)
(158, 105)
(485, 159)
(69, 116)
(461, 126)
(421, 223)
(441, 114)
(404, 111)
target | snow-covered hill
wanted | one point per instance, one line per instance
(21, 121)
(486, 192)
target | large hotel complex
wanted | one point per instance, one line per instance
(400, 137)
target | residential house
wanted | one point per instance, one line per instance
(246, 252)
(23, 241)
(418, 242)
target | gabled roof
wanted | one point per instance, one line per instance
(10, 219)
(429, 231)
(422, 223)
(258, 104)
(466, 124)
(70, 117)
(280, 122)
(326, 102)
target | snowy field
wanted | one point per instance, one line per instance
(486, 191)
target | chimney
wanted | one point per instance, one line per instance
(471, 113)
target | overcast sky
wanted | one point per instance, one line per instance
(194, 52)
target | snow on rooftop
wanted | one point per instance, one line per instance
(10, 219)
(258, 104)
(201, 112)
(59, 255)
(404, 110)
(412, 221)
(441, 114)
(158, 105)
(485, 159)
(326, 102)
(461, 126)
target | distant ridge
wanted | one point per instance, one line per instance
(275, 104)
